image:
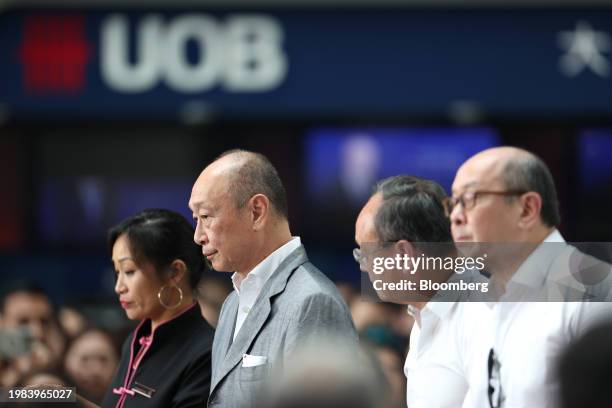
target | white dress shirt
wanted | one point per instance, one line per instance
(441, 348)
(527, 338)
(248, 289)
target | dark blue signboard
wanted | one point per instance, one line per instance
(125, 63)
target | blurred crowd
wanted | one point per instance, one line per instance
(41, 343)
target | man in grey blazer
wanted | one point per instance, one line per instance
(280, 299)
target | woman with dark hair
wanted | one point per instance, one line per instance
(165, 362)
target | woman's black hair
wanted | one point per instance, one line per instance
(160, 237)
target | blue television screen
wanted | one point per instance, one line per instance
(349, 161)
(595, 158)
(79, 210)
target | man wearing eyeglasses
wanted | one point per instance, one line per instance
(506, 197)
(403, 216)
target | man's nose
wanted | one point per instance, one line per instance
(457, 215)
(200, 236)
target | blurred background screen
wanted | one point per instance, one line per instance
(361, 156)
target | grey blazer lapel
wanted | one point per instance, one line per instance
(259, 313)
(223, 335)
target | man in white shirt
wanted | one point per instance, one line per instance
(403, 215)
(280, 299)
(506, 197)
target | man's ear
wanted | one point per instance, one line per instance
(178, 271)
(531, 208)
(259, 207)
(404, 247)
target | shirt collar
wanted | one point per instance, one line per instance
(533, 271)
(263, 270)
(437, 309)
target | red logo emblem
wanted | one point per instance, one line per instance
(54, 53)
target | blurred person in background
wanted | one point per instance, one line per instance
(211, 294)
(405, 213)
(165, 362)
(325, 374)
(360, 159)
(72, 321)
(507, 195)
(367, 313)
(91, 362)
(28, 314)
(348, 291)
(402, 322)
(42, 378)
(280, 299)
(389, 350)
(585, 370)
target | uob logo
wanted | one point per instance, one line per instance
(54, 53)
(241, 54)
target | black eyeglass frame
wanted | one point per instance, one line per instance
(450, 203)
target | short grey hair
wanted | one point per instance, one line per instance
(255, 174)
(412, 209)
(529, 173)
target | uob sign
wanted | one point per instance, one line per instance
(242, 53)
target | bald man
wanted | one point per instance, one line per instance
(506, 197)
(280, 299)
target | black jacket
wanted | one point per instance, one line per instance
(174, 369)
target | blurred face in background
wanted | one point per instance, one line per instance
(42, 379)
(137, 284)
(91, 362)
(72, 321)
(211, 295)
(34, 312)
(29, 310)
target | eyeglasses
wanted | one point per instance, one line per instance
(361, 258)
(358, 255)
(468, 199)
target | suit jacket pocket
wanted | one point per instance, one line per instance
(257, 373)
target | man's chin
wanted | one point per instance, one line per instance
(220, 267)
(386, 296)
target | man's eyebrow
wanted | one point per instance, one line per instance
(468, 185)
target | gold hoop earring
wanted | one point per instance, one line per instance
(161, 302)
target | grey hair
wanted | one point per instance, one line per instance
(529, 173)
(255, 174)
(412, 209)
